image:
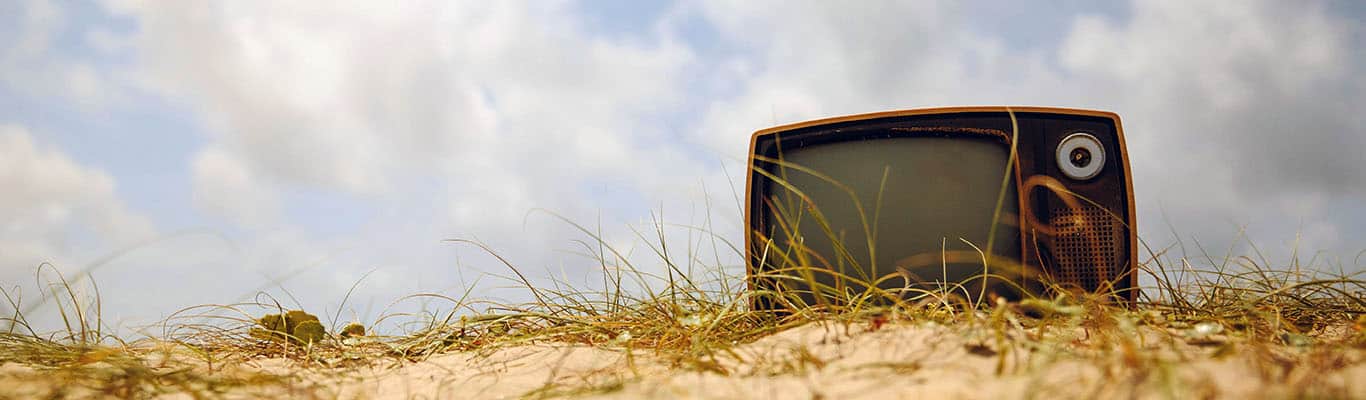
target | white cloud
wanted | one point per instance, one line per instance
(1238, 113)
(449, 119)
(504, 106)
(455, 119)
(1252, 98)
(226, 187)
(348, 97)
(55, 210)
(31, 64)
(816, 59)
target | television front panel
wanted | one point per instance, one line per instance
(914, 200)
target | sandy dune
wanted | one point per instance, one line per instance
(815, 361)
(897, 361)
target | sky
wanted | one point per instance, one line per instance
(197, 153)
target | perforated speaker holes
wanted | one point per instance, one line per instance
(1086, 246)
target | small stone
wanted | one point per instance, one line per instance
(1204, 330)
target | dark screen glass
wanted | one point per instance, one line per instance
(936, 191)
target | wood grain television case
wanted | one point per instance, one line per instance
(1072, 186)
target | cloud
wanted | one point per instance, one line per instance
(503, 107)
(1237, 113)
(56, 210)
(31, 62)
(432, 119)
(225, 186)
(811, 59)
(506, 107)
(356, 137)
(346, 97)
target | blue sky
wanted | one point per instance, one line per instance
(253, 141)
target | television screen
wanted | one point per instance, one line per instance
(926, 200)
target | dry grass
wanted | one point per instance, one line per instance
(1207, 326)
(1290, 332)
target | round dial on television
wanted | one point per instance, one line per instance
(1081, 156)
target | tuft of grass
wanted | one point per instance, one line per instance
(84, 362)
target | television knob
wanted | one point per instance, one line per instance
(1081, 156)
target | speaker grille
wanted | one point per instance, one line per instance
(1086, 246)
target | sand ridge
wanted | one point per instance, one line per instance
(818, 360)
(831, 360)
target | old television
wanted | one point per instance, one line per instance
(966, 201)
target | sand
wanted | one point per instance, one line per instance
(823, 361)
(835, 362)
